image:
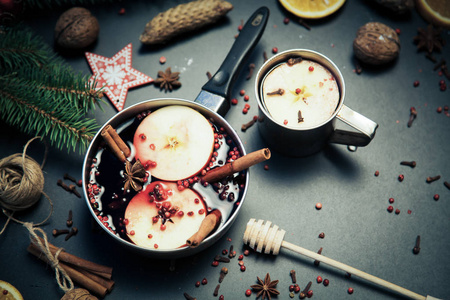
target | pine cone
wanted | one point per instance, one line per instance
(183, 18)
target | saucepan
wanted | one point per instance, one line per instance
(104, 190)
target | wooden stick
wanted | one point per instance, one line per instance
(208, 225)
(100, 270)
(238, 165)
(115, 143)
(75, 275)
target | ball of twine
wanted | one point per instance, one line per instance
(21, 184)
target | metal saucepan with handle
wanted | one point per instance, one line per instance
(213, 103)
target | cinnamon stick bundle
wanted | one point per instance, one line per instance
(208, 225)
(238, 165)
(115, 143)
(92, 276)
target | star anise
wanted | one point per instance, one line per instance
(266, 288)
(429, 39)
(134, 175)
(168, 80)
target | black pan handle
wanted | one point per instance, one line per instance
(220, 83)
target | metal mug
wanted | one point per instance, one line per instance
(299, 142)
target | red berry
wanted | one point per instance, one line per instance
(296, 288)
(204, 281)
(247, 106)
(248, 292)
(391, 200)
(241, 257)
(246, 252)
(122, 11)
(416, 83)
(326, 282)
(266, 167)
(197, 284)
(246, 97)
(439, 109)
(242, 92)
(245, 111)
(319, 279)
(436, 197)
(401, 177)
(240, 27)
(274, 50)
(163, 227)
(397, 30)
(350, 290)
(243, 268)
(286, 20)
(298, 91)
(285, 122)
(162, 60)
(397, 211)
(215, 263)
(390, 208)
(234, 101)
(309, 294)
(221, 297)
(443, 87)
(311, 68)
(291, 288)
(318, 205)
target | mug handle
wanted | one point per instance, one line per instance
(365, 126)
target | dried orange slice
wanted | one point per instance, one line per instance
(436, 12)
(9, 292)
(312, 9)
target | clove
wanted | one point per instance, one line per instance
(412, 164)
(277, 92)
(251, 69)
(431, 179)
(416, 248)
(305, 290)
(439, 65)
(63, 185)
(72, 188)
(246, 126)
(189, 297)
(316, 262)
(294, 60)
(72, 232)
(216, 290)
(412, 115)
(209, 75)
(222, 259)
(447, 184)
(265, 56)
(231, 253)
(69, 221)
(300, 118)
(223, 272)
(293, 276)
(57, 232)
(68, 177)
(304, 24)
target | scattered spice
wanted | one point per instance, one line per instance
(72, 232)
(447, 184)
(266, 288)
(251, 68)
(279, 92)
(69, 221)
(248, 292)
(223, 272)
(57, 232)
(321, 235)
(429, 39)
(416, 248)
(300, 118)
(286, 20)
(401, 177)
(377, 173)
(73, 189)
(293, 276)
(390, 208)
(304, 293)
(63, 185)
(134, 175)
(122, 11)
(316, 262)
(391, 200)
(242, 92)
(397, 211)
(232, 252)
(249, 124)
(234, 101)
(411, 164)
(412, 115)
(318, 206)
(274, 50)
(304, 24)
(216, 290)
(68, 177)
(432, 179)
(358, 68)
(162, 60)
(168, 80)
(222, 259)
(189, 297)
(204, 281)
(209, 75)
(326, 282)
(243, 268)
(416, 83)
(350, 291)
(436, 197)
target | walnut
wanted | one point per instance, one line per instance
(76, 28)
(376, 43)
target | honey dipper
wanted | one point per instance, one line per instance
(265, 238)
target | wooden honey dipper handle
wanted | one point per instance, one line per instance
(263, 237)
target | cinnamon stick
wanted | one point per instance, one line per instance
(208, 225)
(238, 165)
(80, 263)
(116, 144)
(75, 275)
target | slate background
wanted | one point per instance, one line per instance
(359, 231)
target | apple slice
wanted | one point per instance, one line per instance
(174, 142)
(162, 217)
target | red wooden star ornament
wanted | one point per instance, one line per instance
(115, 75)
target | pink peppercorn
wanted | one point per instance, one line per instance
(397, 211)
(319, 279)
(246, 252)
(234, 101)
(248, 292)
(390, 208)
(401, 177)
(436, 197)
(416, 83)
(309, 294)
(162, 60)
(326, 282)
(204, 281)
(197, 284)
(286, 20)
(350, 291)
(318, 206)
(391, 200)
(274, 50)
(242, 92)
(246, 97)
(243, 268)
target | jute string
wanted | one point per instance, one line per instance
(21, 186)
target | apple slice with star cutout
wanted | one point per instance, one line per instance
(162, 217)
(174, 142)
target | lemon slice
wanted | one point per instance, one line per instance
(435, 11)
(9, 292)
(312, 9)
